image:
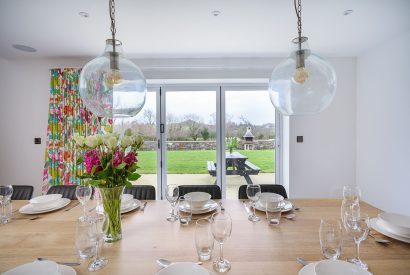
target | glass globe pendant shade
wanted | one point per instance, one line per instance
(304, 83)
(111, 85)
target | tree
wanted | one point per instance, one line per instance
(205, 133)
(149, 117)
(194, 123)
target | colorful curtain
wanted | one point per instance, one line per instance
(66, 115)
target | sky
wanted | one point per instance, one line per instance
(255, 106)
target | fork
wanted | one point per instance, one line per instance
(143, 207)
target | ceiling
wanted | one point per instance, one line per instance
(187, 28)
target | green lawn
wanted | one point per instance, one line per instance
(194, 162)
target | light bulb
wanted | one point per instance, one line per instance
(301, 75)
(113, 77)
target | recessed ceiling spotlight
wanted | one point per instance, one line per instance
(24, 48)
(347, 12)
(215, 13)
(84, 14)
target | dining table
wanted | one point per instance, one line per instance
(252, 248)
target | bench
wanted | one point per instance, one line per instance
(244, 170)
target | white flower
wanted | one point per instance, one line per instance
(112, 142)
(98, 139)
(91, 141)
(79, 140)
(126, 141)
(128, 132)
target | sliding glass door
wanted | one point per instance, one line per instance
(224, 135)
(250, 133)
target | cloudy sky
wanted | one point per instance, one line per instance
(255, 106)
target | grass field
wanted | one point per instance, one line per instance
(194, 162)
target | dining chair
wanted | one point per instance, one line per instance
(68, 191)
(214, 190)
(271, 188)
(141, 192)
(22, 192)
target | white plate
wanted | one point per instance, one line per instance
(66, 270)
(184, 269)
(337, 267)
(124, 209)
(46, 198)
(308, 269)
(208, 207)
(374, 223)
(35, 268)
(30, 209)
(400, 224)
(287, 206)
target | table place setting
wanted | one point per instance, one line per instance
(395, 226)
(41, 267)
(44, 204)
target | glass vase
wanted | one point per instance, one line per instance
(111, 200)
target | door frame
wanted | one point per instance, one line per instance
(220, 88)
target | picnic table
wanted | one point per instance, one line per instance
(236, 164)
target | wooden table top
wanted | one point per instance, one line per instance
(253, 248)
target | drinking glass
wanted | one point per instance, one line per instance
(171, 194)
(83, 243)
(204, 240)
(331, 237)
(221, 224)
(96, 233)
(351, 200)
(253, 191)
(5, 195)
(83, 194)
(184, 210)
(273, 208)
(357, 226)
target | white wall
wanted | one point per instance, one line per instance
(325, 161)
(383, 125)
(317, 168)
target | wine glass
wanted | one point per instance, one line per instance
(171, 194)
(357, 226)
(221, 225)
(83, 194)
(5, 195)
(330, 236)
(351, 199)
(98, 224)
(253, 191)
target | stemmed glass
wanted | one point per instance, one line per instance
(357, 226)
(98, 226)
(221, 225)
(351, 199)
(5, 195)
(253, 192)
(330, 236)
(171, 194)
(83, 194)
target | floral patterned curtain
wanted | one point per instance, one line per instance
(66, 115)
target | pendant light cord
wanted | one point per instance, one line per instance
(298, 10)
(112, 17)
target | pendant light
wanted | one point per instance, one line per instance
(111, 85)
(304, 83)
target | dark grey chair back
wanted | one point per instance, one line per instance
(68, 191)
(22, 192)
(141, 192)
(271, 188)
(214, 190)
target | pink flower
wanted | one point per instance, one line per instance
(91, 159)
(130, 159)
(117, 160)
